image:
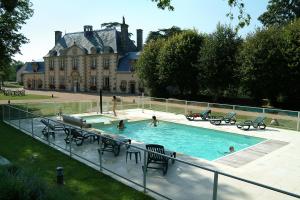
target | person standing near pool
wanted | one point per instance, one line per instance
(114, 105)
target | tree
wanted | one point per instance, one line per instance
(217, 60)
(177, 61)
(11, 21)
(111, 25)
(280, 12)
(147, 67)
(291, 34)
(243, 17)
(263, 66)
(163, 33)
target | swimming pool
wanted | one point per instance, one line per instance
(194, 141)
(93, 119)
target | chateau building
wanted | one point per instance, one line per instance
(88, 61)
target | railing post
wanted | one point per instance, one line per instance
(166, 105)
(100, 153)
(143, 105)
(144, 172)
(48, 133)
(298, 123)
(185, 109)
(3, 106)
(70, 146)
(32, 132)
(19, 116)
(9, 114)
(215, 189)
(121, 103)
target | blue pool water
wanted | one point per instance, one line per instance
(194, 141)
(93, 119)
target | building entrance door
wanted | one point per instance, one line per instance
(132, 87)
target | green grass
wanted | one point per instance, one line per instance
(81, 181)
(27, 96)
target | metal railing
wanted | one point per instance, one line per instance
(30, 123)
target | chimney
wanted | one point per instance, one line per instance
(139, 39)
(58, 35)
(88, 30)
(124, 36)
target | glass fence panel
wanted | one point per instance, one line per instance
(219, 110)
(229, 188)
(281, 119)
(181, 181)
(158, 104)
(26, 121)
(196, 107)
(129, 103)
(42, 109)
(176, 106)
(247, 113)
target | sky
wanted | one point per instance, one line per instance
(71, 15)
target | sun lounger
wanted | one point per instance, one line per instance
(204, 115)
(78, 136)
(229, 118)
(113, 144)
(50, 129)
(258, 123)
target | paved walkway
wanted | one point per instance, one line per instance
(278, 167)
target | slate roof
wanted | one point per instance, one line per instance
(126, 63)
(103, 41)
(27, 67)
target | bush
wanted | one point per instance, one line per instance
(17, 183)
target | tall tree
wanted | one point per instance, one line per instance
(280, 12)
(11, 21)
(163, 33)
(243, 17)
(263, 67)
(217, 60)
(147, 67)
(177, 61)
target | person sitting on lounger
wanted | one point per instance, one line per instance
(121, 125)
(154, 120)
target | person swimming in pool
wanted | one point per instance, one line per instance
(154, 120)
(121, 125)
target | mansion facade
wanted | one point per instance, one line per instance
(87, 61)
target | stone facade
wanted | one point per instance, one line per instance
(91, 60)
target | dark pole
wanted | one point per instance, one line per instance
(100, 96)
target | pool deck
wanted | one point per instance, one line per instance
(274, 162)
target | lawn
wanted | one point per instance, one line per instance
(27, 96)
(81, 181)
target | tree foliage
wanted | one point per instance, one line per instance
(11, 21)
(111, 25)
(263, 70)
(177, 61)
(217, 60)
(243, 17)
(147, 67)
(280, 12)
(163, 33)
